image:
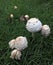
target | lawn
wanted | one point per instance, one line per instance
(40, 51)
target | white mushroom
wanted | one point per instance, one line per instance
(15, 7)
(15, 54)
(12, 43)
(11, 15)
(45, 30)
(21, 43)
(33, 25)
(26, 17)
(22, 18)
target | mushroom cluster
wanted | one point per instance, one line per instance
(19, 44)
(24, 17)
(33, 25)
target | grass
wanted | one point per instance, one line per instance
(40, 51)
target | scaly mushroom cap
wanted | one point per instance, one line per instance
(21, 43)
(15, 54)
(11, 43)
(33, 25)
(45, 30)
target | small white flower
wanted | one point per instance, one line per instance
(12, 43)
(15, 54)
(45, 30)
(33, 25)
(21, 43)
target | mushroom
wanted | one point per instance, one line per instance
(11, 18)
(11, 15)
(22, 18)
(21, 43)
(15, 54)
(33, 25)
(45, 30)
(26, 17)
(15, 7)
(12, 43)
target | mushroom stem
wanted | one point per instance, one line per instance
(33, 36)
(11, 20)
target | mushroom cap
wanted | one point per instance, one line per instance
(21, 43)
(22, 18)
(18, 55)
(15, 7)
(45, 30)
(11, 15)
(33, 25)
(15, 54)
(26, 17)
(11, 43)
